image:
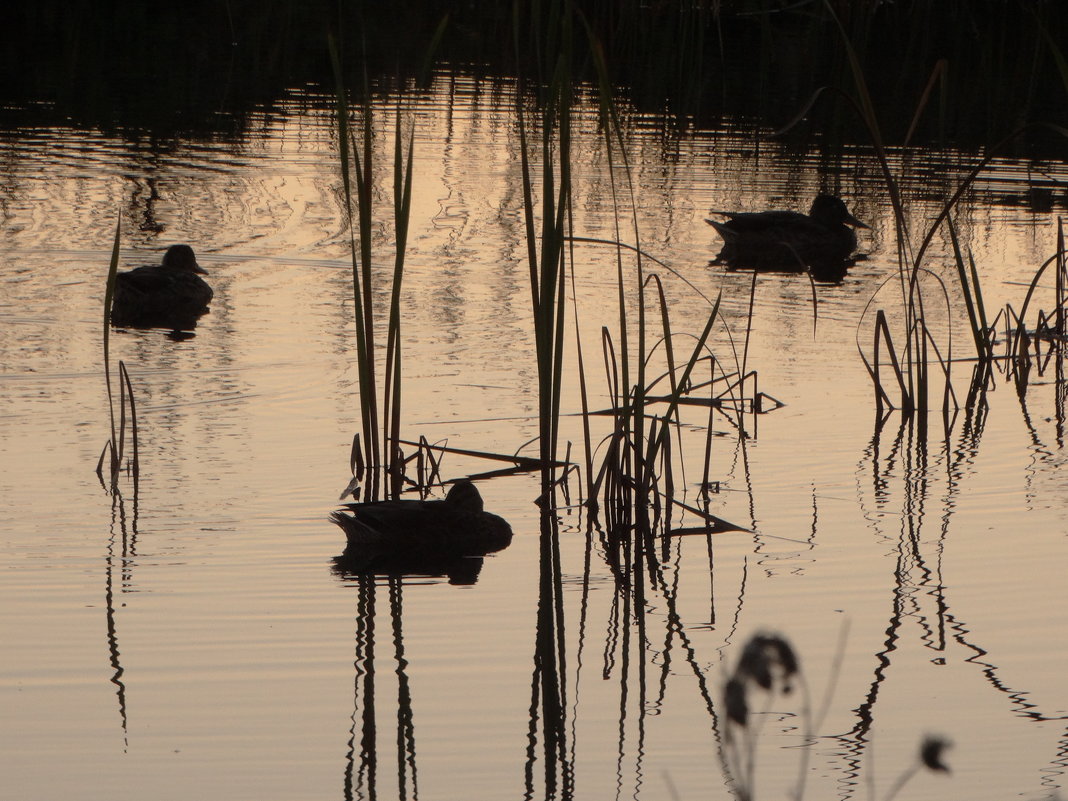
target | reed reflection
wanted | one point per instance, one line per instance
(387, 542)
(906, 474)
(645, 637)
(922, 486)
(1041, 363)
(361, 768)
(550, 727)
(119, 559)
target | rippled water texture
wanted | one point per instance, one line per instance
(190, 639)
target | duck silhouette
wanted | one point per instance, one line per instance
(167, 295)
(435, 537)
(822, 240)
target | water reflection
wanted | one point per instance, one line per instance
(921, 483)
(831, 271)
(361, 768)
(622, 650)
(1041, 369)
(388, 541)
(550, 734)
(120, 553)
(647, 638)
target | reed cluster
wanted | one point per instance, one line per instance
(380, 418)
(648, 381)
(1034, 344)
(630, 471)
(911, 365)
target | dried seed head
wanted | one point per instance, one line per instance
(931, 752)
(763, 656)
(754, 663)
(734, 699)
(784, 655)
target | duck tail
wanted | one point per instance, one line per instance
(356, 531)
(723, 229)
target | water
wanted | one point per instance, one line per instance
(192, 640)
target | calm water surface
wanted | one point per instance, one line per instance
(190, 640)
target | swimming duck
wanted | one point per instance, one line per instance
(789, 240)
(167, 295)
(410, 532)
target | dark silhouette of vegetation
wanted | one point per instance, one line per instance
(204, 66)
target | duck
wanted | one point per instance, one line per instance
(822, 240)
(414, 535)
(167, 295)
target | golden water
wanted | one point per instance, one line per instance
(192, 641)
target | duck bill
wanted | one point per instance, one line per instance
(198, 269)
(851, 220)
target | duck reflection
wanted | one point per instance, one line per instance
(822, 241)
(445, 537)
(167, 295)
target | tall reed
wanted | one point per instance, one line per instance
(918, 350)
(1049, 325)
(115, 448)
(545, 249)
(380, 444)
(546, 33)
(921, 363)
(637, 470)
(640, 442)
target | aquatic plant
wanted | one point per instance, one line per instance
(636, 472)
(769, 666)
(115, 448)
(921, 359)
(768, 663)
(357, 176)
(1050, 325)
(549, 34)
(545, 249)
(630, 473)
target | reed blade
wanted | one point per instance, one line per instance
(109, 295)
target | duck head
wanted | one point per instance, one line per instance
(464, 496)
(181, 257)
(830, 211)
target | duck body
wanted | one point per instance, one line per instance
(821, 240)
(405, 536)
(167, 295)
